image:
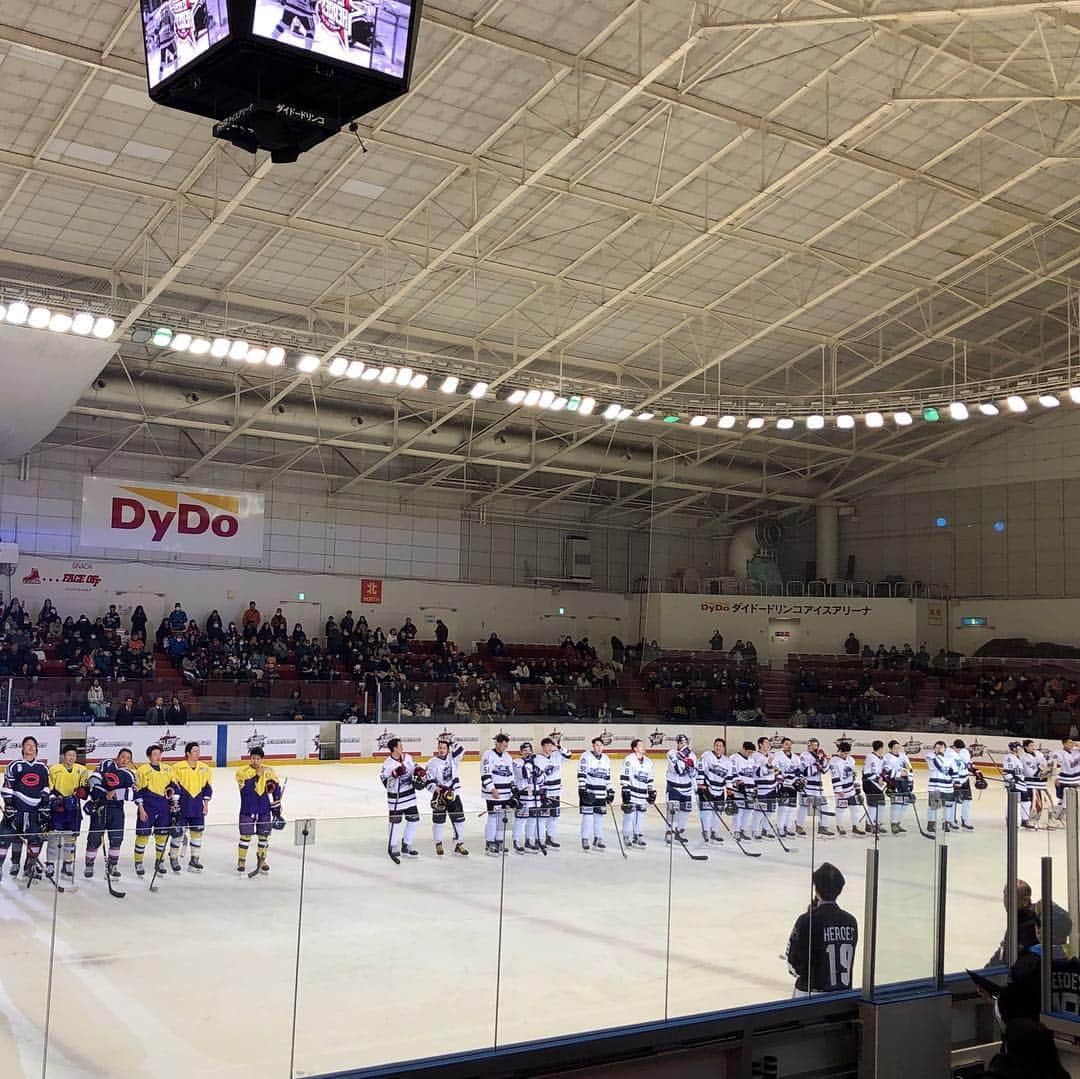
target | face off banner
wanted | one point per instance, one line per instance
(171, 517)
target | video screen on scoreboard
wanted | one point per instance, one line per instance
(178, 31)
(371, 34)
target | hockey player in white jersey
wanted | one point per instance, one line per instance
(714, 771)
(939, 787)
(595, 794)
(900, 784)
(1065, 767)
(1036, 770)
(842, 773)
(529, 788)
(765, 782)
(787, 768)
(638, 793)
(873, 785)
(813, 766)
(444, 785)
(497, 786)
(1012, 771)
(400, 776)
(681, 780)
(550, 762)
(962, 786)
(744, 789)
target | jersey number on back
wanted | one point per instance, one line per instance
(841, 956)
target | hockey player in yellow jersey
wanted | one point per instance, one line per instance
(191, 781)
(68, 782)
(153, 796)
(260, 807)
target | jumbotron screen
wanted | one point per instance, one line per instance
(370, 34)
(177, 31)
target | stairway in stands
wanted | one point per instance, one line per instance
(775, 693)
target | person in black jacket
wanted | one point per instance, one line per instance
(176, 713)
(126, 714)
(1026, 924)
(1027, 1052)
(821, 949)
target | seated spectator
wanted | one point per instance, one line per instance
(48, 614)
(494, 645)
(298, 635)
(716, 641)
(126, 714)
(111, 618)
(252, 615)
(852, 647)
(736, 651)
(95, 699)
(749, 653)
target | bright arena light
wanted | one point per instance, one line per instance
(103, 327)
(726, 422)
(874, 419)
(958, 410)
(815, 422)
(1049, 400)
(220, 348)
(698, 421)
(60, 322)
(988, 408)
(255, 355)
(308, 364)
(1016, 403)
(845, 421)
(17, 313)
(338, 366)
(83, 323)
(450, 384)
(275, 356)
(785, 423)
(516, 397)
(39, 318)
(755, 423)
(478, 390)
(387, 374)
(238, 350)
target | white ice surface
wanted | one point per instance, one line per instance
(399, 962)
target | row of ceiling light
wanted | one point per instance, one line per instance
(407, 378)
(81, 323)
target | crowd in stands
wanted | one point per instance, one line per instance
(860, 687)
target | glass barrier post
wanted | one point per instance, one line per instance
(1072, 862)
(1047, 933)
(870, 924)
(304, 829)
(1012, 932)
(939, 937)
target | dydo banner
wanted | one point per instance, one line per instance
(171, 517)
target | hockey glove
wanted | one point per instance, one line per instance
(651, 797)
(584, 798)
(9, 813)
(610, 796)
(626, 798)
(980, 782)
(400, 770)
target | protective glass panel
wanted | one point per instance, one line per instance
(585, 890)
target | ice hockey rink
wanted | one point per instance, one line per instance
(415, 948)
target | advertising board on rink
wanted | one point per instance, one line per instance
(48, 739)
(103, 741)
(278, 741)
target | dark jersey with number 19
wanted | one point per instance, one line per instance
(821, 951)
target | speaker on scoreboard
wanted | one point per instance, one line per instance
(279, 75)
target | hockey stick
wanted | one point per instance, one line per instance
(618, 831)
(260, 856)
(775, 833)
(35, 859)
(103, 833)
(922, 831)
(675, 836)
(738, 842)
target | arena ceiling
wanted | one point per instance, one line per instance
(693, 208)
